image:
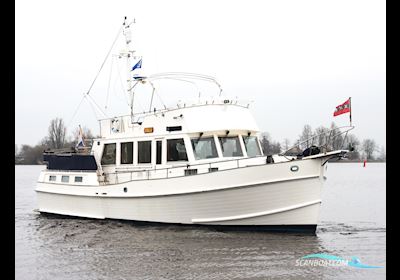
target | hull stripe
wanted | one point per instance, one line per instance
(257, 214)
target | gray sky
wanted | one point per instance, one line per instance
(297, 60)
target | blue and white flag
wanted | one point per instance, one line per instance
(137, 65)
(80, 143)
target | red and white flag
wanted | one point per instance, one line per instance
(343, 108)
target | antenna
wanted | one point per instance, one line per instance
(128, 54)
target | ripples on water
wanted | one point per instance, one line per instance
(57, 247)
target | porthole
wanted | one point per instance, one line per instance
(125, 189)
(294, 168)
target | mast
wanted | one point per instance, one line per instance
(128, 54)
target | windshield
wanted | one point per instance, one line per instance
(204, 148)
(252, 147)
(230, 146)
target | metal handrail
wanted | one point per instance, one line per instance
(328, 139)
(239, 160)
(190, 165)
(328, 136)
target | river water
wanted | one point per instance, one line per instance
(352, 224)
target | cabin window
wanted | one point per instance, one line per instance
(204, 148)
(144, 152)
(158, 152)
(176, 150)
(127, 153)
(65, 179)
(252, 147)
(52, 178)
(109, 153)
(230, 146)
(78, 179)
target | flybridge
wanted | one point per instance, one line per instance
(217, 115)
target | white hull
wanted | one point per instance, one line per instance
(269, 194)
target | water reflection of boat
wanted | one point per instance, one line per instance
(197, 163)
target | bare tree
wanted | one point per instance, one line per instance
(57, 132)
(353, 145)
(321, 135)
(369, 147)
(286, 144)
(306, 136)
(337, 138)
(265, 142)
(269, 147)
(276, 148)
(382, 154)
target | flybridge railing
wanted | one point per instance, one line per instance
(329, 140)
(185, 77)
(179, 105)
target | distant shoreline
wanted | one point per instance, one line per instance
(336, 161)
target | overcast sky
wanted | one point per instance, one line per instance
(297, 60)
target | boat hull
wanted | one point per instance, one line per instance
(271, 195)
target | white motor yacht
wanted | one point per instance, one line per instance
(197, 163)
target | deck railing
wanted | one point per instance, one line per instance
(333, 139)
(186, 169)
(327, 141)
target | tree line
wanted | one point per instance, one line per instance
(366, 149)
(56, 138)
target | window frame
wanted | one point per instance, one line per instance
(75, 177)
(115, 154)
(167, 150)
(138, 151)
(238, 144)
(64, 176)
(53, 176)
(204, 138)
(121, 153)
(257, 142)
(159, 153)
